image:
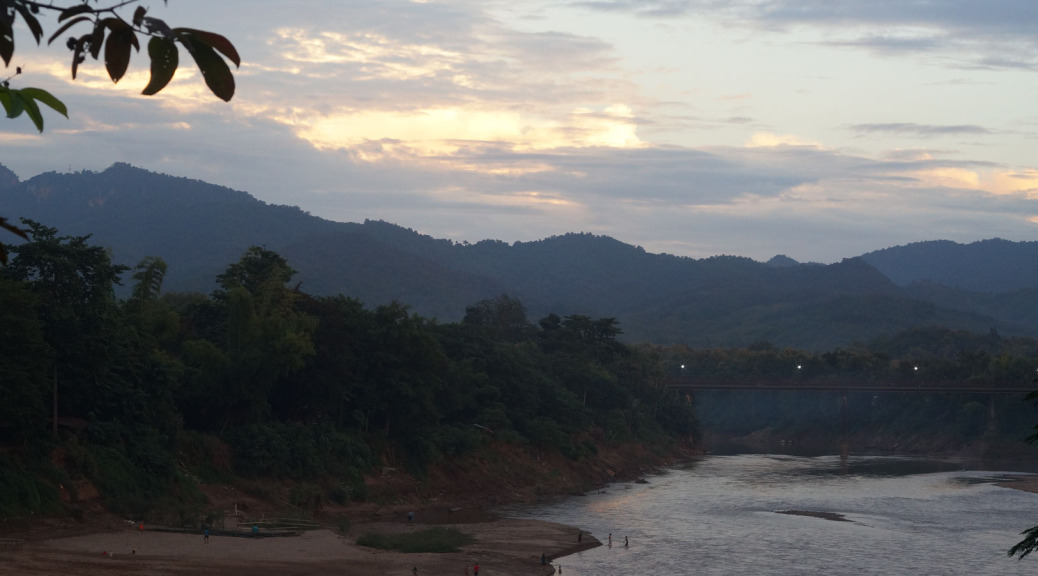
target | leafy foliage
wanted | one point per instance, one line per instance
(24, 382)
(28, 100)
(1024, 547)
(22, 489)
(148, 275)
(14, 230)
(299, 451)
(103, 30)
(315, 389)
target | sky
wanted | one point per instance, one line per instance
(816, 129)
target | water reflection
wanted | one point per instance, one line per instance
(718, 516)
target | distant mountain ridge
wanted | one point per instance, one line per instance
(199, 229)
(993, 265)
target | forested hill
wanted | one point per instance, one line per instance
(993, 265)
(198, 228)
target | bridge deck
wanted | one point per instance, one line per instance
(851, 384)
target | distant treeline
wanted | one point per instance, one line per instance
(152, 390)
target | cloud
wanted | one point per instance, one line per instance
(1016, 17)
(920, 130)
(980, 32)
(696, 201)
(770, 140)
(424, 89)
(752, 201)
(892, 45)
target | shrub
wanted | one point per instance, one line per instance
(438, 540)
(306, 496)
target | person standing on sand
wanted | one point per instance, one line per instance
(626, 543)
(205, 535)
(414, 571)
(610, 538)
(475, 569)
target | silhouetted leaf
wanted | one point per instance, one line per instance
(17, 101)
(31, 22)
(31, 110)
(12, 228)
(77, 53)
(72, 11)
(117, 50)
(215, 71)
(47, 98)
(97, 39)
(138, 15)
(157, 26)
(164, 62)
(6, 42)
(12, 102)
(220, 43)
(66, 26)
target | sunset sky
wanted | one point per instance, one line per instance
(818, 129)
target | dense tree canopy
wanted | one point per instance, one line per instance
(297, 386)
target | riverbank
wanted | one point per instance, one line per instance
(502, 547)
(461, 493)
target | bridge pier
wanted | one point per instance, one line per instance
(844, 432)
(844, 417)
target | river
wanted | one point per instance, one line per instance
(720, 515)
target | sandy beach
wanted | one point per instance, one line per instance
(503, 547)
(1027, 483)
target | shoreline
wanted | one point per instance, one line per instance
(451, 496)
(503, 547)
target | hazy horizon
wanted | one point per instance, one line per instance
(562, 233)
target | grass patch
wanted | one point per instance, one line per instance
(431, 540)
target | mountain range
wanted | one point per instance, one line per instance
(199, 229)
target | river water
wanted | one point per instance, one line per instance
(720, 515)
